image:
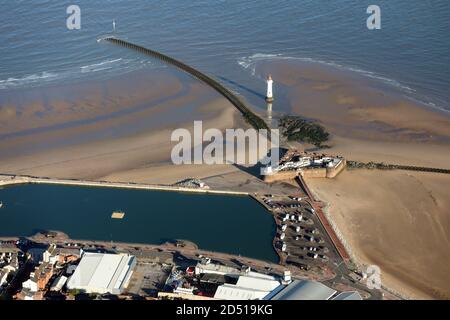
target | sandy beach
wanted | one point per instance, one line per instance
(118, 130)
(397, 220)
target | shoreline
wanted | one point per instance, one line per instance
(365, 123)
(348, 248)
(369, 123)
(324, 77)
(252, 118)
(18, 180)
(130, 140)
(23, 180)
(191, 248)
(368, 233)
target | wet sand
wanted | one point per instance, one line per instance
(118, 130)
(353, 106)
(397, 220)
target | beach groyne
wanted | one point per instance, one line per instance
(385, 166)
(253, 119)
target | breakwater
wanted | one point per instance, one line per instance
(385, 166)
(254, 120)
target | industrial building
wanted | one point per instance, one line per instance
(237, 284)
(230, 283)
(305, 290)
(102, 273)
(206, 267)
(349, 295)
(253, 286)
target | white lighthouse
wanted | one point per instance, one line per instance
(269, 94)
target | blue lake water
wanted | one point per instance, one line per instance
(411, 51)
(231, 224)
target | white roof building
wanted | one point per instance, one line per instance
(215, 269)
(58, 284)
(254, 286)
(31, 285)
(102, 273)
(233, 292)
(348, 295)
(305, 290)
(248, 285)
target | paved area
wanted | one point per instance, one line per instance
(148, 278)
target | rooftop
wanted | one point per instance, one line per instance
(216, 268)
(248, 287)
(102, 273)
(305, 290)
(349, 295)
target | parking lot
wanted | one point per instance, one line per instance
(148, 278)
(300, 239)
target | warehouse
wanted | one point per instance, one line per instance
(305, 290)
(102, 273)
(348, 295)
(252, 286)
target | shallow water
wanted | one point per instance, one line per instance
(224, 38)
